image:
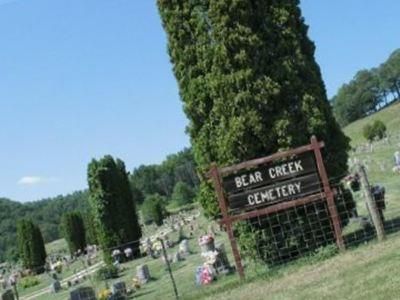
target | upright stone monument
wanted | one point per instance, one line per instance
(142, 273)
(7, 295)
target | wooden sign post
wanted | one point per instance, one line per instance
(261, 186)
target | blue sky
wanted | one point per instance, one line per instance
(80, 79)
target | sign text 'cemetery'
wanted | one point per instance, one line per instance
(273, 183)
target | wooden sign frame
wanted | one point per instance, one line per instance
(227, 219)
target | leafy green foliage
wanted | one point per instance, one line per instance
(379, 129)
(112, 205)
(244, 95)
(368, 132)
(31, 245)
(90, 229)
(73, 230)
(161, 179)
(250, 87)
(324, 253)
(107, 272)
(29, 281)
(182, 194)
(368, 91)
(248, 240)
(374, 131)
(153, 209)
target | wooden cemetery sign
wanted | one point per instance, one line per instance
(270, 184)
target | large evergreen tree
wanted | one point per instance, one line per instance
(249, 83)
(90, 228)
(73, 230)
(112, 205)
(31, 245)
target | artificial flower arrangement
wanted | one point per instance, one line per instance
(104, 294)
(353, 181)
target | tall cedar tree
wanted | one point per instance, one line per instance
(250, 87)
(31, 245)
(90, 228)
(112, 205)
(73, 230)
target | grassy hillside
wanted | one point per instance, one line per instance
(390, 116)
(379, 162)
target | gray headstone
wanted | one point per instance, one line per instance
(55, 287)
(119, 288)
(222, 264)
(177, 257)
(142, 273)
(7, 295)
(184, 247)
(83, 293)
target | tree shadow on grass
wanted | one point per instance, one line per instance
(367, 233)
(140, 293)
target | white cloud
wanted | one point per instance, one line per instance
(36, 180)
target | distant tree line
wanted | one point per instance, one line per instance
(161, 178)
(174, 182)
(46, 213)
(369, 91)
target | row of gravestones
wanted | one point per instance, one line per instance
(118, 292)
(381, 165)
(119, 288)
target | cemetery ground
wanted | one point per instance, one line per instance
(366, 270)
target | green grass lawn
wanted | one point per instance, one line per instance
(371, 271)
(368, 272)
